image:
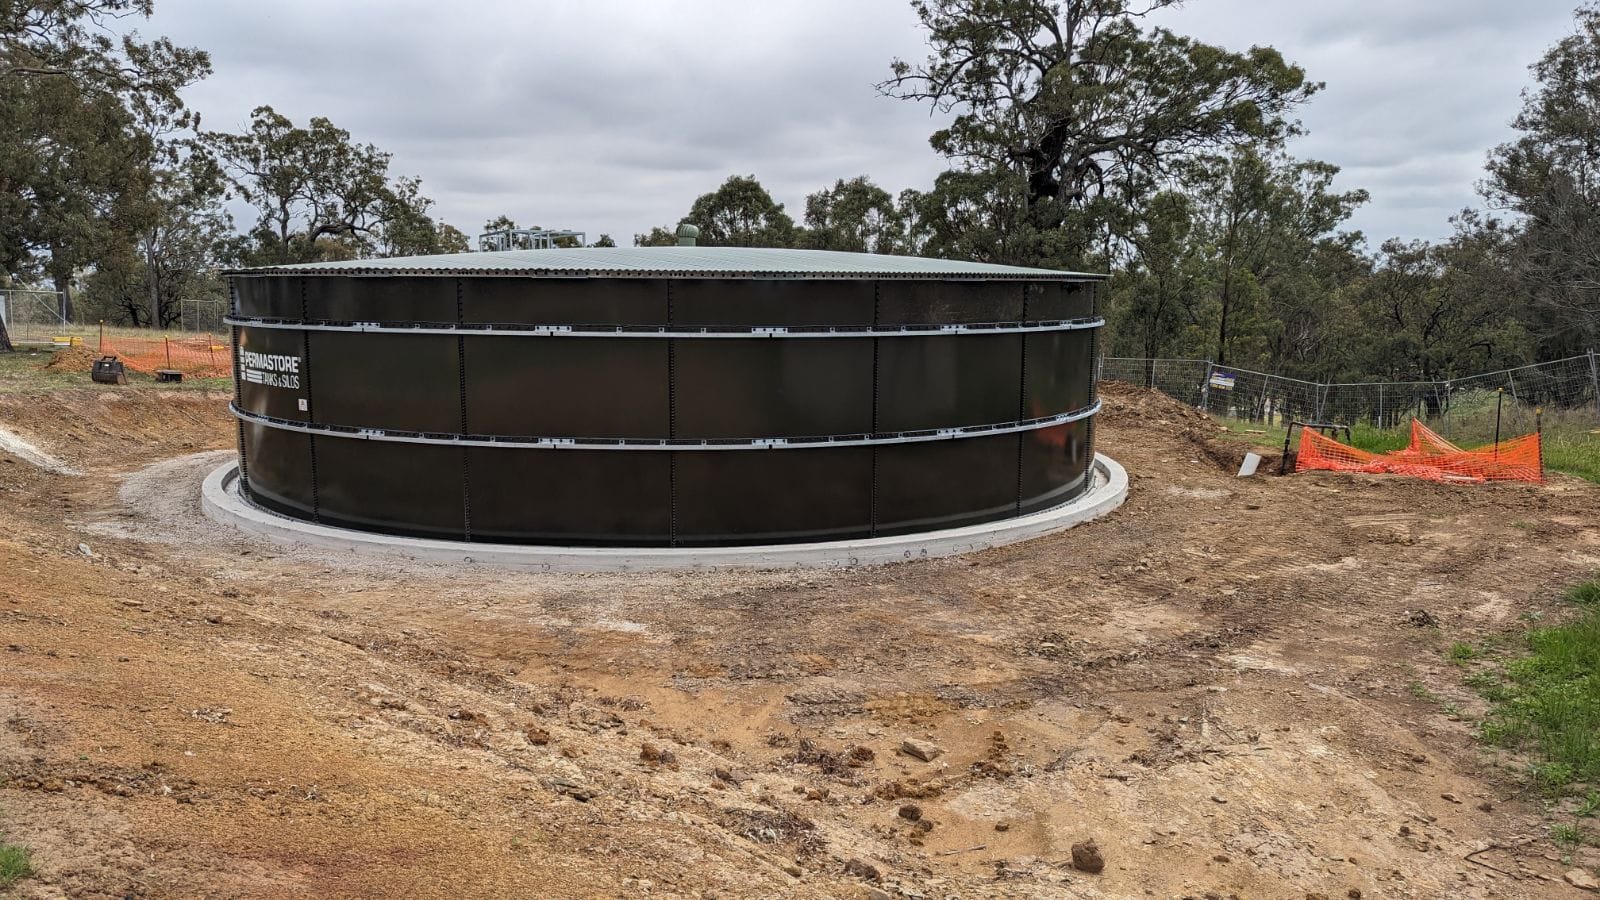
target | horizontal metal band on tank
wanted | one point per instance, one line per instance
(654, 331)
(553, 443)
(659, 274)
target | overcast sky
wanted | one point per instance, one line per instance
(613, 116)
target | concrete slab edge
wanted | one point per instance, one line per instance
(223, 503)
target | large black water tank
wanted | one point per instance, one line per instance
(662, 396)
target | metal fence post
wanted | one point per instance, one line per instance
(1594, 379)
(1205, 386)
(1382, 422)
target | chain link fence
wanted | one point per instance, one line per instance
(31, 316)
(1566, 390)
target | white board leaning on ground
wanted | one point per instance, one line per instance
(1252, 461)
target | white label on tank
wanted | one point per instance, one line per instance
(271, 369)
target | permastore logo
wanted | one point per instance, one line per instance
(277, 370)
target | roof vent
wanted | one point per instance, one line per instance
(686, 235)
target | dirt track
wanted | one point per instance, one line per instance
(1224, 685)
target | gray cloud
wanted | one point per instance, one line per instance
(1417, 92)
(612, 117)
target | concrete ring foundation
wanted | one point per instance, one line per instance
(223, 502)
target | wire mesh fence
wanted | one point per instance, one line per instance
(202, 316)
(1566, 391)
(31, 316)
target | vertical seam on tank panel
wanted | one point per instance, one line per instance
(238, 400)
(311, 406)
(1094, 380)
(672, 427)
(1022, 394)
(872, 502)
(461, 386)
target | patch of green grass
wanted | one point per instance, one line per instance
(1568, 836)
(1488, 685)
(1573, 453)
(1256, 434)
(16, 863)
(1588, 806)
(1461, 652)
(1379, 440)
(1420, 691)
(1551, 702)
(1586, 594)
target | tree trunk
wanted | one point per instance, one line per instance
(1222, 327)
(151, 281)
(64, 290)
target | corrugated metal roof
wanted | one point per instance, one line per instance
(673, 262)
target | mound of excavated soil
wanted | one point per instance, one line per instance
(1131, 406)
(72, 359)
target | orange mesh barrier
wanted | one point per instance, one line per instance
(205, 356)
(1428, 456)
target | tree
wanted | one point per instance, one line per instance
(500, 223)
(186, 235)
(450, 239)
(1154, 298)
(856, 216)
(1077, 101)
(741, 213)
(72, 40)
(84, 114)
(604, 241)
(1550, 178)
(1263, 216)
(1432, 312)
(307, 184)
(977, 216)
(657, 237)
(406, 229)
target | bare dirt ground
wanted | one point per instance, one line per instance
(1234, 687)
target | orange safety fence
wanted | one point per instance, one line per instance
(1428, 456)
(205, 356)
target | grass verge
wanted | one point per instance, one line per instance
(1547, 704)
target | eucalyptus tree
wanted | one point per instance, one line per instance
(854, 215)
(1263, 215)
(741, 213)
(316, 192)
(1438, 311)
(1082, 106)
(87, 113)
(1549, 178)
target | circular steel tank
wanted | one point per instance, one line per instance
(675, 396)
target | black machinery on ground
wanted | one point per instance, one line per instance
(109, 370)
